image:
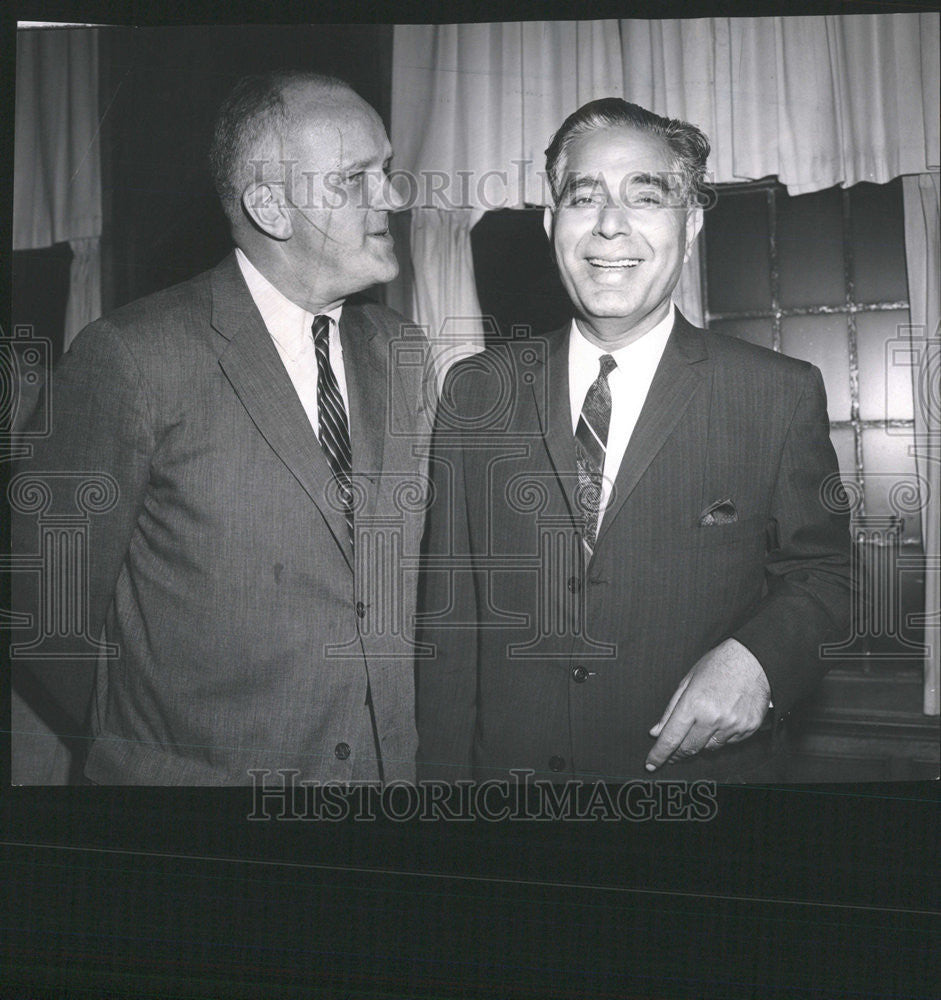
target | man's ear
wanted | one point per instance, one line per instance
(547, 217)
(693, 225)
(264, 204)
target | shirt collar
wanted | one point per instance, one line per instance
(583, 351)
(288, 324)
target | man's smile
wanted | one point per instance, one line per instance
(622, 262)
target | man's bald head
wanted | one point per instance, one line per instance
(255, 121)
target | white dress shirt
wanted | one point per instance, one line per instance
(290, 329)
(629, 382)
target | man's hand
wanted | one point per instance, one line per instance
(723, 699)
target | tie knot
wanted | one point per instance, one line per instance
(321, 330)
(608, 364)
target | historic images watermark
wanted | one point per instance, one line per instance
(281, 796)
(490, 190)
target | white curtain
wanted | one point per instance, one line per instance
(57, 166)
(445, 293)
(924, 287)
(814, 101)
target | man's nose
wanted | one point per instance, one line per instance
(613, 220)
(385, 197)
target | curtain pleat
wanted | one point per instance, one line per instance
(924, 286)
(445, 292)
(57, 165)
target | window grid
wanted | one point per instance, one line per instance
(776, 313)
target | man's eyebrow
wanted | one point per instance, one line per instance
(576, 182)
(355, 165)
(365, 164)
(650, 180)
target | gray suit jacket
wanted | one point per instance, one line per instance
(245, 629)
(717, 528)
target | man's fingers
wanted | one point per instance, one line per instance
(671, 704)
(716, 741)
(721, 700)
(671, 737)
(698, 738)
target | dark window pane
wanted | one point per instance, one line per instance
(810, 249)
(517, 281)
(737, 257)
(755, 331)
(877, 239)
(891, 481)
(822, 340)
(885, 374)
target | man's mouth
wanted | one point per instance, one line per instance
(621, 263)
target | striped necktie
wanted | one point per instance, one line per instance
(331, 413)
(591, 440)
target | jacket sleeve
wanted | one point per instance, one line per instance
(92, 468)
(448, 612)
(808, 572)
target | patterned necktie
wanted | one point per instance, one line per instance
(591, 440)
(331, 413)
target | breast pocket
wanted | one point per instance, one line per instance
(751, 529)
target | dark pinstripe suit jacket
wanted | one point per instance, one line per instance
(573, 663)
(246, 631)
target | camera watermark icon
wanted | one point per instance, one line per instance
(25, 377)
(920, 356)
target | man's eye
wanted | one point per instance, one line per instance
(647, 198)
(581, 200)
(355, 178)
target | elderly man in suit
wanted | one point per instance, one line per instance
(630, 559)
(257, 437)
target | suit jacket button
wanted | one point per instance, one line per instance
(556, 763)
(341, 751)
(574, 584)
(360, 609)
(579, 675)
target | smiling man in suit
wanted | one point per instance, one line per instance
(630, 558)
(258, 436)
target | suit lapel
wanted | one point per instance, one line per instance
(366, 387)
(554, 410)
(685, 363)
(253, 366)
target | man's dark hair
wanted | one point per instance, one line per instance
(687, 143)
(253, 110)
